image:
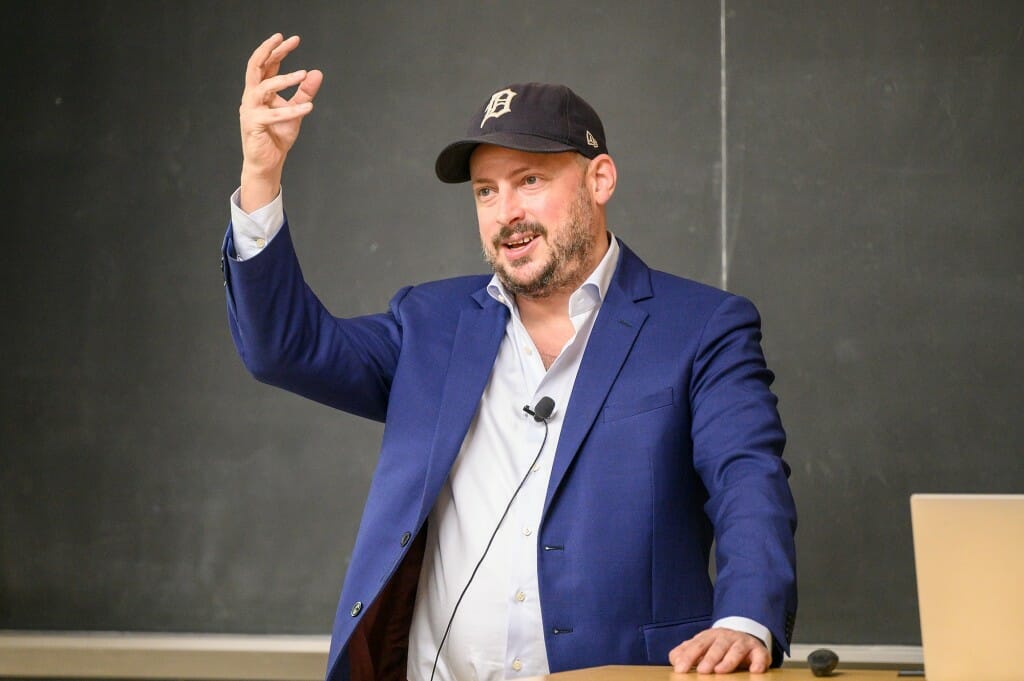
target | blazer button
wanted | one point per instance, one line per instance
(356, 608)
(405, 538)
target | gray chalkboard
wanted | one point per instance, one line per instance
(858, 171)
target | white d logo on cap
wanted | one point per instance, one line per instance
(499, 105)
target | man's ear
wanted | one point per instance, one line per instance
(601, 178)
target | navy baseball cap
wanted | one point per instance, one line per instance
(528, 117)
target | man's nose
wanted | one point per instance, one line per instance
(510, 208)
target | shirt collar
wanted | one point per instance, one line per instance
(590, 293)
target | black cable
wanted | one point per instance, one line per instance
(491, 540)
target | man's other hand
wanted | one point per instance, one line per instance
(720, 651)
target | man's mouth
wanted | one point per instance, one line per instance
(519, 243)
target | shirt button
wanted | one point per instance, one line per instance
(517, 664)
(527, 531)
(527, 350)
(405, 538)
(536, 468)
(357, 608)
(261, 242)
(520, 596)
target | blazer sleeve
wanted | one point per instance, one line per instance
(738, 441)
(287, 338)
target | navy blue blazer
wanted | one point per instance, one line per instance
(671, 439)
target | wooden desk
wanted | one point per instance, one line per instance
(614, 673)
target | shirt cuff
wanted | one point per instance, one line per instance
(748, 626)
(253, 231)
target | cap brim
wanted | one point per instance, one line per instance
(452, 164)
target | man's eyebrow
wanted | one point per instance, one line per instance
(517, 171)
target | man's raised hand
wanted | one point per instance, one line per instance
(269, 122)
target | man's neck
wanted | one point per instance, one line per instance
(548, 323)
(545, 310)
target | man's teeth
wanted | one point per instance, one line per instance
(521, 242)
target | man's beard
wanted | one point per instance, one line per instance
(570, 253)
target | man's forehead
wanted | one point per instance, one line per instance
(490, 157)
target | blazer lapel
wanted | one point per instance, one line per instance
(477, 339)
(615, 330)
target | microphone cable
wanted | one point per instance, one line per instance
(541, 413)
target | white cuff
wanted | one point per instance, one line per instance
(253, 231)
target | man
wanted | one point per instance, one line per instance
(502, 541)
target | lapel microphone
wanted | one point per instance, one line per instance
(541, 413)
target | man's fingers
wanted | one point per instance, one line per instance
(266, 92)
(265, 117)
(686, 654)
(713, 655)
(759, 660)
(254, 67)
(733, 658)
(742, 655)
(308, 88)
(266, 59)
(277, 55)
(719, 651)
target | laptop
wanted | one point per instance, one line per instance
(969, 556)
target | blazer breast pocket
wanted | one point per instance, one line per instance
(614, 411)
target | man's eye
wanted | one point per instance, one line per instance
(483, 192)
(530, 179)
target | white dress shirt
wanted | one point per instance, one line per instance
(497, 632)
